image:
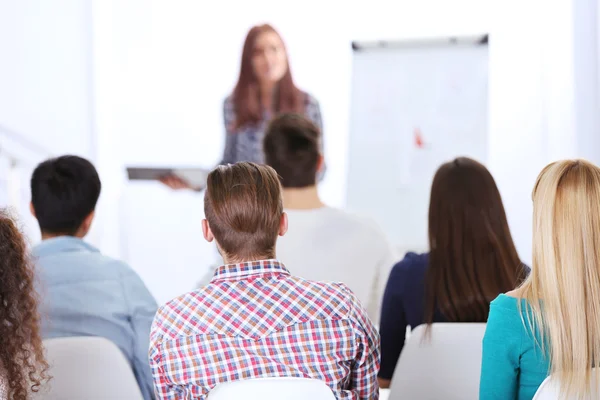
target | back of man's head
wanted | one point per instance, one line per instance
(291, 146)
(64, 192)
(243, 207)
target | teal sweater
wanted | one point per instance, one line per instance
(513, 366)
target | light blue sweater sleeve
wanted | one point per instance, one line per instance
(142, 308)
(501, 353)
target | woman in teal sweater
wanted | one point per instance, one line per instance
(524, 343)
(513, 367)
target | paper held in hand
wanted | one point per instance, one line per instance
(194, 177)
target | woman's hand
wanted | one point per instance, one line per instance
(175, 182)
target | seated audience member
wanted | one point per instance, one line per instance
(471, 260)
(85, 293)
(255, 319)
(551, 323)
(323, 243)
(21, 350)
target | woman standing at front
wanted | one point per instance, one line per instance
(265, 88)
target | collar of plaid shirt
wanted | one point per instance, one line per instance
(232, 272)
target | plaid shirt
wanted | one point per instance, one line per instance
(256, 320)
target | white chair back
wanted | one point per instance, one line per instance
(88, 368)
(550, 390)
(272, 389)
(446, 365)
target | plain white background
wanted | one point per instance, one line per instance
(140, 81)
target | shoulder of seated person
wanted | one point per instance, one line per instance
(367, 224)
(327, 287)
(102, 262)
(514, 294)
(411, 261)
(116, 269)
(118, 265)
(193, 298)
(507, 301)
(176, 304)
(354, 306)
(344, 293)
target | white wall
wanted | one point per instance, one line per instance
(586, 85)
(45, 90)
(44, 74)
(543, 97)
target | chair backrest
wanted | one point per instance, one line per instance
(445, 365)
(272, 389)
(88, 368)
(550, 390)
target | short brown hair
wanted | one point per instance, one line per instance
(243, 206)
(291, 146)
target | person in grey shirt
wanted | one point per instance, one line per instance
(84, 293)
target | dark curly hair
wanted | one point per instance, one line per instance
(22, 361)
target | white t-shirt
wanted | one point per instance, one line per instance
(328, 244)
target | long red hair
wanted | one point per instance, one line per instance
(246, 95)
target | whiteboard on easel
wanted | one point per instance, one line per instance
(414, 106)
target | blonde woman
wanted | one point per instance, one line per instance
(551, 323)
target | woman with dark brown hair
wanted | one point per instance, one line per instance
(472, 259)
(22, 364)
(264, 89)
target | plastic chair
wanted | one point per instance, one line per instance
(272, 389)
(446, 365)
(550, 390)
(88, 368)
(384, 394)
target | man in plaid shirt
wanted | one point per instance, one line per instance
(254, 319)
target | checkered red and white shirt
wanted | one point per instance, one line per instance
(256, 320)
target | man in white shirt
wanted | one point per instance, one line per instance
(323, 243)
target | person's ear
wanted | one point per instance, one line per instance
(32, 210)
(320, 163)
(283, 224)
(87, 223)
(206, 232)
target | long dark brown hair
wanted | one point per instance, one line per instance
(246, 95)
(472, 256)
(23, 365)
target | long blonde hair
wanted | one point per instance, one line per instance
(563, 289)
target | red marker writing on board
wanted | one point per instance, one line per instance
(419, 142)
